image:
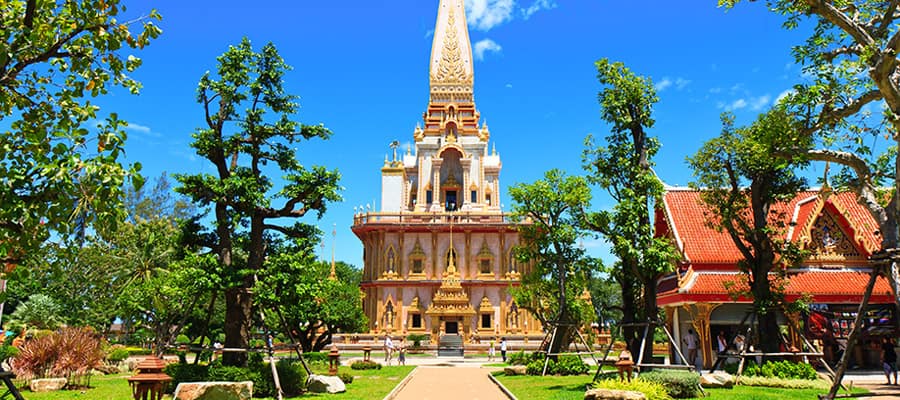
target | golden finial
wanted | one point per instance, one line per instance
(333, 275)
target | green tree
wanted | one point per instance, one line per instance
(851, 56)
(54, 175)
(623, 167)
(38, 312)
(550, 230)
(248, 137)
(741, 181)
(295, 290)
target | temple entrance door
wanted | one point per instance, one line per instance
(451, 327)
(451, 203)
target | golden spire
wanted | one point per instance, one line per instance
(452, 72)
(333, 275)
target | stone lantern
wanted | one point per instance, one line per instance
(150, 382)
(333, 360)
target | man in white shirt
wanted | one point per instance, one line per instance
(388, 349)
(692, 342)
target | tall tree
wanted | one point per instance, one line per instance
(851, 56)
(623, 167)
(297, 294)
(248, 136)
(741, 181)
(550, 232)
(54, 174)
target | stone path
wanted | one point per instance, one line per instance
(450, 383)
(881, 391)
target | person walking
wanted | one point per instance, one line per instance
(503, 348)
(401, 350)
(492, 352)
(692, 342)
(889, 359)
(388, 349)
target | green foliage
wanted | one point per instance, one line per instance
(653, 390)
(291, 375)
(622, 166)
(38, 312)
(781, 369)
(819, 384)
(678, 384)
(249, 134)
(416, 339)
(7, 351)
(564, 366)
(316, 356)
(117, 353)
(315, 308)
(346, 377)
(360, 365)
(523, 358)
(57, 176)
(224, 373)
(182, 372)
(551, 288)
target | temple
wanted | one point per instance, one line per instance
(437, 255)
(839, 235)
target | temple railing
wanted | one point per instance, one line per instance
(427, 218)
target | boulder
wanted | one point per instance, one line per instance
(719, 379)
(610, 394)
(514, 370)
(326, 384)
(47, 385)
(214, 391)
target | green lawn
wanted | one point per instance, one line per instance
(367, 384)
(573, 388)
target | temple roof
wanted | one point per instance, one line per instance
(685, 218)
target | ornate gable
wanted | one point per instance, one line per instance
(828, 237)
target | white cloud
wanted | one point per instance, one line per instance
(663, 84)
(485, 45)
(735, 105)
(759, 103)
(538, 5)
(486, 14)
(680, 83)
(509, 86)
(783, 94)
(715, 90)
(140, 129)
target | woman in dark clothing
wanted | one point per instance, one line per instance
(889, 359)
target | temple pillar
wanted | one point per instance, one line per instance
(436, 195)
(794, 336)
(700, 313)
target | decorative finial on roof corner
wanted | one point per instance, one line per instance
(494, 152)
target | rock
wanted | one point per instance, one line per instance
(107, 369)
(610, 394)
(326, 384)
(719, 379)
(214, 391)
(514, 370)
(47, 385)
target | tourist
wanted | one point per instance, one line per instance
(692, 342)
(503, 348)
(889, 359)
(388, 348)
(401, 349)
(722, 342)
(491, 351)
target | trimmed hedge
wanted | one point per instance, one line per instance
(292, 376)
(523, 358)
(365, 365)
(782, 370)
(678, 384)
(564, 365)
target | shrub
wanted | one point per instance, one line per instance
(365, 365)
(819, 384)
(417, 338)
(782, 369)
(232, 374)
(116, 353)
(678, 384)
(291, 375)
(570, 365)
(68, 353)
(139, 351)
(186, 373)
(653, 390)
(346, 378)
(7, 352)
(536, 367)
(523, 358)
(316, 356)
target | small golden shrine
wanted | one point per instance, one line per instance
(451, 303)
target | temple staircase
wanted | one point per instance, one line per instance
(450, 346)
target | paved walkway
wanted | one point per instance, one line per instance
(450, 383)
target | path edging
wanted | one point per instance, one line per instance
(502, 388)
(401, 385)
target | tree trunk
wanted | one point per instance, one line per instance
(629, 312)
(762, 300)
(237, 325)
(651, 312)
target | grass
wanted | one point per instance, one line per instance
(367, 384)
(573, 388)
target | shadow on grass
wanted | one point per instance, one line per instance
(568, 388)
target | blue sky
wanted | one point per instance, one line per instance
(361, 68)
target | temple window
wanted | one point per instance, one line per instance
(416, 321)
(417, 259)
(485, 266)
(486, 321)
(429, 197)
(474, 196)
(487, 199)
(417, 266)
(485, 259)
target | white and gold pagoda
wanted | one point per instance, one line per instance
(437, 255)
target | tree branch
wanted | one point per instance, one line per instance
(835, 16)
(852, 107)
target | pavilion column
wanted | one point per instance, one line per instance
(700, 313)
(436, 198)
(794, 336)
(463, 198)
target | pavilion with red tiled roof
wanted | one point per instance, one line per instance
(705, 291)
